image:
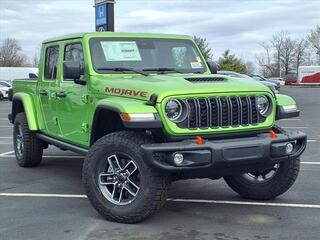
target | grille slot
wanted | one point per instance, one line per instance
(221, 112)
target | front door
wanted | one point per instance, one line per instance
(72, 100)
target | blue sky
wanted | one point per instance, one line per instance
(230, 24)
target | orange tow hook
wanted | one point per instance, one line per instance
(199, 140)
(273, 135)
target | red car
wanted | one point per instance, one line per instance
(1, 96)
(290, 80)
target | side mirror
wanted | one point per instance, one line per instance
(213, 67)
(71, 70)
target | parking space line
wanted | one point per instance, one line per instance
(13, 156)
(267, 204)
(6, 137)
(290, 119)
(42, 195)
(264, 204)
(311, 163)
(5, 154)
(311, 140)
(296, 127)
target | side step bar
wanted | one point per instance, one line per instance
(62, 144)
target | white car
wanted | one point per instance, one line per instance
(278, 79)
(4, 89)
(5, 84)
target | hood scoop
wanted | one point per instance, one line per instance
(206, 79)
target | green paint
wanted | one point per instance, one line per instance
(70, 118)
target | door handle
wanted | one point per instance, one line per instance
(61, 95)
(43, 92)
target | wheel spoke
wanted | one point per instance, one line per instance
(114, 163)
(131, 187)
(106, 179)
(130, 168)
(120, 196)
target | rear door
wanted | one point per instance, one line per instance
(47, 87)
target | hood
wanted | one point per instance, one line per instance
(164, 85)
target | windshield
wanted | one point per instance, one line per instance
(144, 54)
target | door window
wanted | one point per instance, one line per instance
(74, 52)
(51, 62)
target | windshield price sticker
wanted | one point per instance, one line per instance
(121, 51)
(196, 64)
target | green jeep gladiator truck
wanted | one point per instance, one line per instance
(146, 110)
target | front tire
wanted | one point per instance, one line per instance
(268, 184)
(118, 183)
(27, 147)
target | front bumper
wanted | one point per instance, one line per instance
(225, 157)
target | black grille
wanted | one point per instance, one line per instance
(221, 112)
(206, 79)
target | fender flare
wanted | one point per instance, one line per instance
(126, 124)
(28, 107)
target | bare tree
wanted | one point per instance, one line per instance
(287, 52)
(300, 52)
(277, 42)
(250, 67)
(11, 54)
(314, 39)
(35, 61)
(264, 60)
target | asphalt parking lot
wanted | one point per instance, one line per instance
(47, 202)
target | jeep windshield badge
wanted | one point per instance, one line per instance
(127, 92)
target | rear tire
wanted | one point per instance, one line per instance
(118, 183)
(250, 187)
(27, 147)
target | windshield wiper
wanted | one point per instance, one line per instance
(162, 70)
(122, 69)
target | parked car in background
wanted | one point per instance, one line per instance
(274, 87)
(261, 78)
(277, 79)
(1, 96)
(6, 84)
(4, 90)
(290, 80)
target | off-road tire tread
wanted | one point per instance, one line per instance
(269, 190)
(158, 182)
(33, 147)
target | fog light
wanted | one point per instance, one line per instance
(178, 158)
(289, 148)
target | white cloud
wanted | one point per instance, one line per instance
(237, 25)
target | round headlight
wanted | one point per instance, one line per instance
(173, 109)
(263, 105)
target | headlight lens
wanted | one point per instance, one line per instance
(173, 109)
(263, 105)
(176, 110)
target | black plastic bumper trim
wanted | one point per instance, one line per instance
(261, 149)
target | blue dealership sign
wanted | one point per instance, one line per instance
(101, 15)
